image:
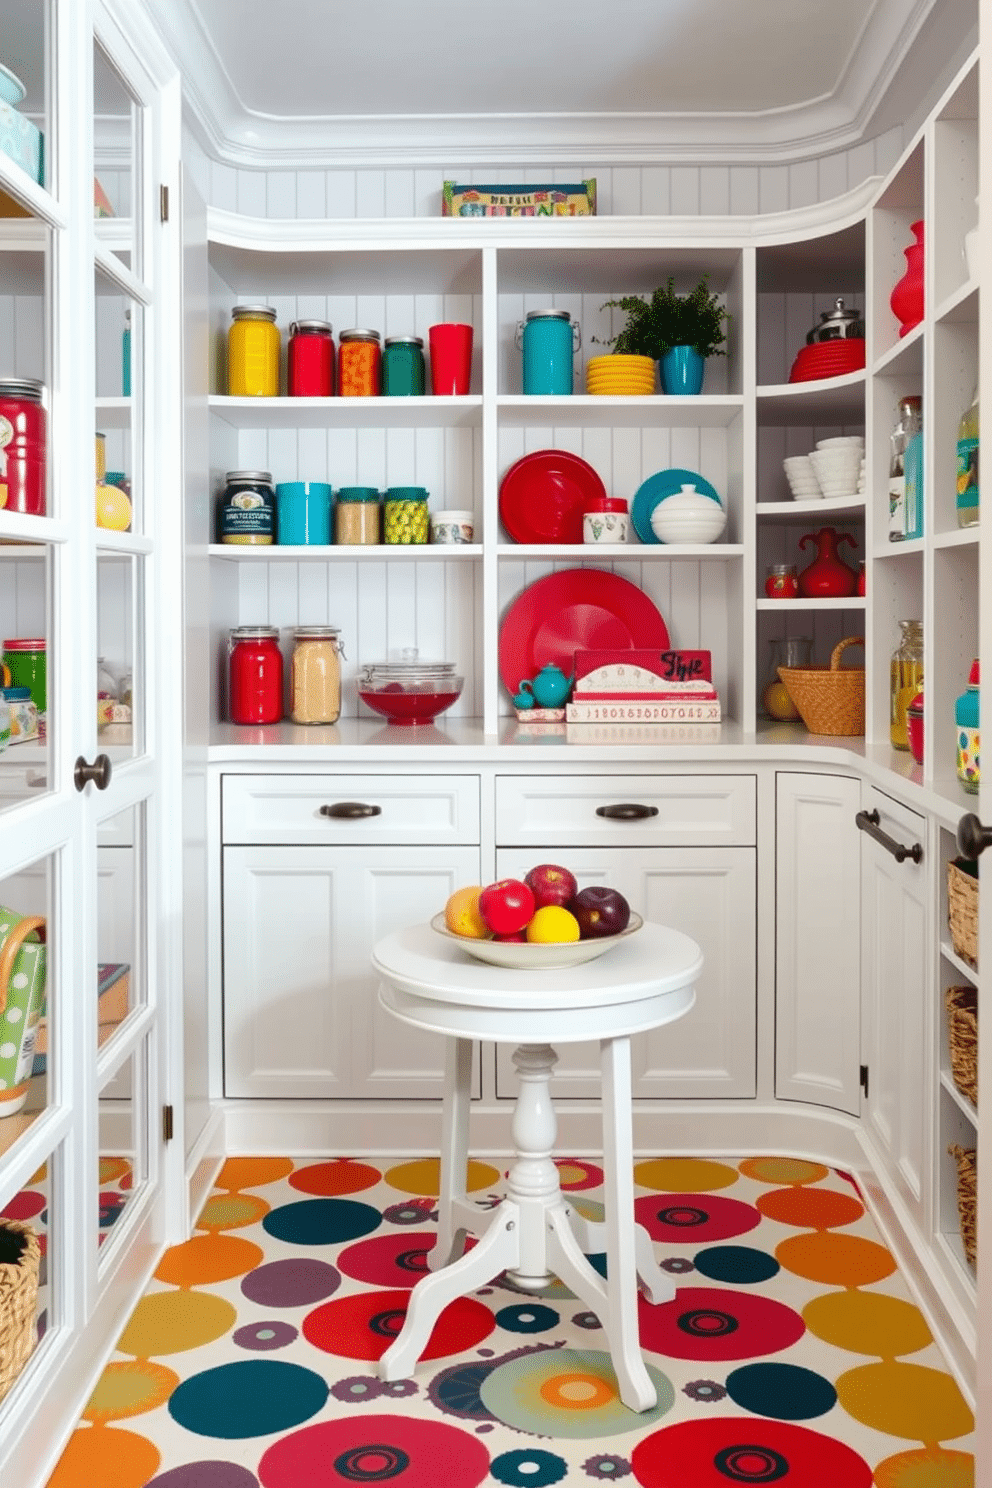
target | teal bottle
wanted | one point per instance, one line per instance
(913, 462)
(966, 719)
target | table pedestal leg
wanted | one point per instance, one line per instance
(454, 1152)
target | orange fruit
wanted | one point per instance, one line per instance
(461, 913)
(551, 924)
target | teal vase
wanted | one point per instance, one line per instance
(682, 370)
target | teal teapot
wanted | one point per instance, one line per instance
(549, 689)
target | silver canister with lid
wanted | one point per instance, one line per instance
(838, 324)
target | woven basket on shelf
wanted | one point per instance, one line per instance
(962, 911)
(962, 1036)
(18, 1300)
(965, 1157)
(830, 700)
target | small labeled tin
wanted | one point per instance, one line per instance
(403, 367)
(23, 440)
(247, 514)
(359, 364)
(310, 359)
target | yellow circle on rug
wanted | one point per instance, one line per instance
(577, 1391)
(104, 1457)
(172, 1322)
(423, 1176)
(906, 1400)
(809, 1208)
(835, 1260)
(783, 1170)
(927, 1467)
(207, 1259)
(868, 1323)
(129, 1389)
(253, 1172)
(684, 1174)
(232, 1211)
(112, 1168)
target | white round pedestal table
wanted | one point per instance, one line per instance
(640, 983)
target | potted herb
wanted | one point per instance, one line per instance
(677, 331)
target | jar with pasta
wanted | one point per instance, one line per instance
(315, 674)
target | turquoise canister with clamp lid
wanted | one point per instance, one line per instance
(548, 339)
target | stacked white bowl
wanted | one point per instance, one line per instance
(688, 516)
(802, 479)
(837, 463)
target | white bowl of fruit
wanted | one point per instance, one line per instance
(543, 920)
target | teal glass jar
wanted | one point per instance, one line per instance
(403, 367)
(966, 721)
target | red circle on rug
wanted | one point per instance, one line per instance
(712, 1323)
(727, 1451)
(810, 1208)
(389, 1260)
(24, 1205)
(363, 1326)
(328, 1178)
(415, 1454)
(693, 1217)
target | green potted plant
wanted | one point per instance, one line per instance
(677, 331)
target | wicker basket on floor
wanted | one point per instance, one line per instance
(962, 910)
(962, 1038)
(965, 1157)
(18, 1299)
(830, 699)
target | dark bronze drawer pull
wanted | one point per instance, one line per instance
(867, 821)
(350, 810)
(627, 811)
(972, 837)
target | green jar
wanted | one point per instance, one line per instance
(26, 659)
(406, 515)
(403, 367)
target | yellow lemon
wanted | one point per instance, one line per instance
(778, 702)
(113, 509)
(552, 924)
(461, 913)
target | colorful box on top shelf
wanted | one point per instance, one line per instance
(564, 199)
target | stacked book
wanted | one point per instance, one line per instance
(640, 686)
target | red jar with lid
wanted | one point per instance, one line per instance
(255, 665)
(310, 359)
(23, 441)
(782, 581)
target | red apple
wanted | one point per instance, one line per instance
(518, 936)
(506, 905)
(551, 884)
(600, 911)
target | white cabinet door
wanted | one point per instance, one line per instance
(895, 959)
(710, 894)
(301, 1011)
(817, 940)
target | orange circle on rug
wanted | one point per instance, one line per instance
(364, 1325)
(906, 1400)
(232, 1211)
(173, 1322)
(328, 1179)
(102, 1455)
(835, 1260)
(252, 1172)
(684, 1174)
(868, 1323)
(129, 1389)
(927, 1467)
(207, 1259)
(577, 1390)
(112, 1168)
(783, 1170)
(424, 1176)
(809, 1208)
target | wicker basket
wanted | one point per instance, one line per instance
(965, 1157)
(962, 1036)
(18, 1300)
(830, 700)
(962, 911)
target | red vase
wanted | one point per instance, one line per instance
(827, 577)
(906, 298)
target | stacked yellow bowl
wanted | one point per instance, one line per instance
(620, 376)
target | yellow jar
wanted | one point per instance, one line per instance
(906, 674)
(253, 344)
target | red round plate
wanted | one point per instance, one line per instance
(578, 608)
(542, 496)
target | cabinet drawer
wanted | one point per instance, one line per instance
(404, 809)
(696, 810)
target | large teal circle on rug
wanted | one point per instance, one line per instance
(568, 1393)
(253, 1397)
(321, 1221)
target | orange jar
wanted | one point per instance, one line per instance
(359, 364)
(253, 345)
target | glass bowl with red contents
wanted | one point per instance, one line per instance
(410, 691)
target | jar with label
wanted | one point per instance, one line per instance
(357, 516)
(315, 675)
(310, 359)
(405, 515)
(25, 658)
(910, 423)
(247, 514)
(966, 488)
(966, 724)
(782, 581)
(359, 364)
(23, 714)
(403, 367)
(253, 344)
(906, 679)
(256, 675)
(23, 444)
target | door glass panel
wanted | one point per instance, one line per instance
(117, 340)
(119, 896)
(25, 658)
(24, 120)
(120, 731)
(25, 1011)
(123, 1164)
(115, 126)
(26, 1221)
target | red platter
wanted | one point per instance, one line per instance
(542, 497)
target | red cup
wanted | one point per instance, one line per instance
(451, 359)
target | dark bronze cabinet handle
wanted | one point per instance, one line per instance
(627, 811)
(867, 821)
(350, 810)
(972, 837)
(99, 772)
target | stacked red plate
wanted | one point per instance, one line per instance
(828, 359)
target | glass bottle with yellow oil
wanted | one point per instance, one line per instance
(906, 674)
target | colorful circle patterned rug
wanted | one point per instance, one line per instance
(792, 1353)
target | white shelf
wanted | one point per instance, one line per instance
(346, 413)
(717, 552)
(826, 400)
(853, 602)
(970, 973)
(964, 1106)
(805, 511)
(961, 307)
(958, 537)
(346, 552)
(581, 409)
(113, 413)
(905, 356)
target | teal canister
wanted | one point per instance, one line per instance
(549, 340)
(966, 722)
(403, 367)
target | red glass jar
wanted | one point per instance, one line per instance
(782, 582)
(23, 442)
(255, 675)
(310, 359)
